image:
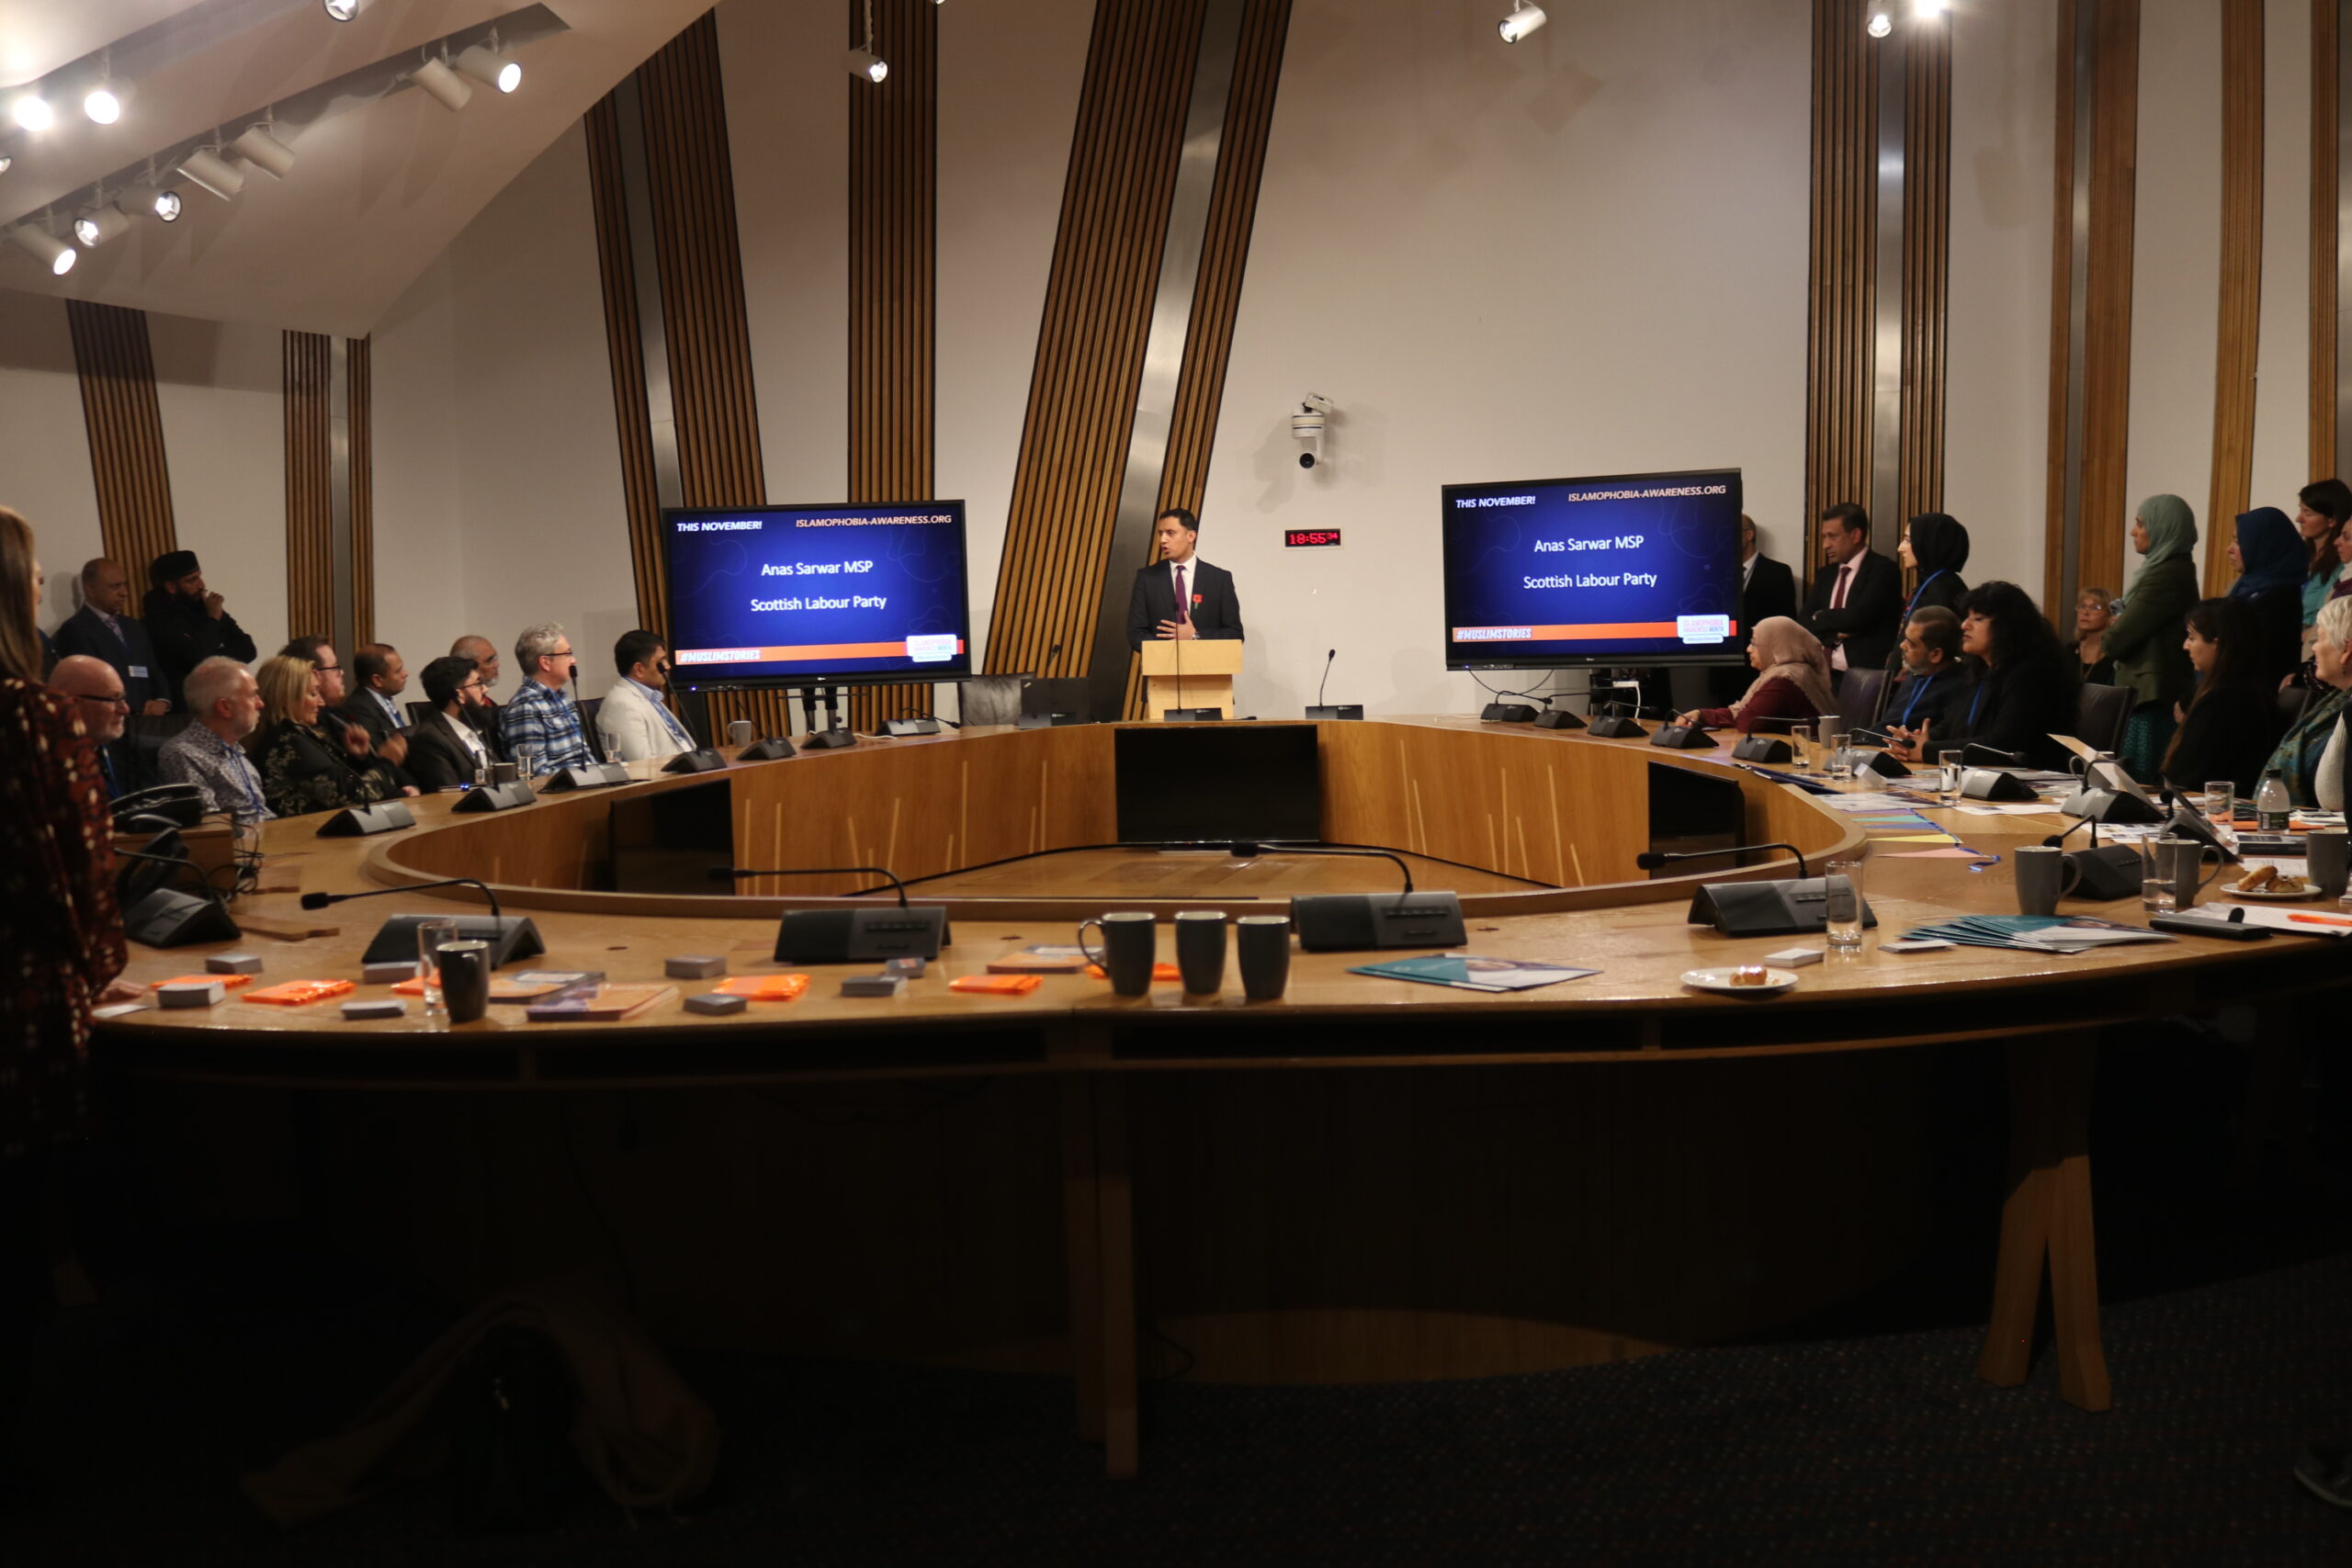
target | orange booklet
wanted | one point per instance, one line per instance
(765, 987)
(1158, 971)
(297, 993)
(996, 985)
(226, 982)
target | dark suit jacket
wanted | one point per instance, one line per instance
(437, 759)
(84, 633)
(1771, 591)
(1869, 619)
(363, 711)
(1217, 611)
(186, 636)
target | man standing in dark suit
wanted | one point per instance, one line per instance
(1857, 599)
(1181, 596)
(1767, 588)
(104, 629)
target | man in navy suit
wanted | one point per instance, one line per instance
(104, 629)
(1767, 588)
(1178, 596)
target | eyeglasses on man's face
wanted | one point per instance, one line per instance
(117, 702)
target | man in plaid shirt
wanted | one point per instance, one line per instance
(540, 720)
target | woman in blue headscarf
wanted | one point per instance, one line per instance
(2144, 640)
(2271, 558)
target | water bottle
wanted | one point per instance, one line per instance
(2271, 806)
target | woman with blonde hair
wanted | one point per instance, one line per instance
(1791, 682)
(310, 761)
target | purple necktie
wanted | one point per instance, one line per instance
(1183, 605)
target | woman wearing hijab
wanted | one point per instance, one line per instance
(1791, 683)
(1935, 546)
(2144, 640)
(2272, 561)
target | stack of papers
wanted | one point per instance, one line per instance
(1464, 973)
(2036, 934)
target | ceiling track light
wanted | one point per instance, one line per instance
(263, 150)
(1521, 22)
(485, 65)
(1880, 24)
(101, 221)
(165, 206)
(32, 112)
(862, 61)
(104, 102)
(443, 85)
(205, 168)
(45, 247)
(8, 162)
(342, 10)
(1929, 10)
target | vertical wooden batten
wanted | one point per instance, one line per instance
(616, 270)
(2327, 83)
(133, 481)
(893, 290)
(2241, 307)
(309, 364)
(1840, 358)
(360, 395)
(1926, 264)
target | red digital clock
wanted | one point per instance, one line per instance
(1311, 538)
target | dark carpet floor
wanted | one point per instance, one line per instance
(1860, 1439)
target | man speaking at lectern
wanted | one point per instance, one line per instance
(1180, 595)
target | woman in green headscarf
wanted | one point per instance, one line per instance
(2146, 637)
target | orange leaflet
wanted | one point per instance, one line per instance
(766, 987)
(298, 993)
(996, 985)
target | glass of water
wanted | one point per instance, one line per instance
(1948, 779)
(2157, 895)
(430, 935)
(1842, 904)
(2222, 801)
(1838, 746)
(1801, 746)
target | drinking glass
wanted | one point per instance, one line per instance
(2222, 801)
(1842, 904)
(1839, 747)
(525, 759)
(1947, 782)
(2157, 895)
(430, 935)
(1801, 746)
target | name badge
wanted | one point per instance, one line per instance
(138, 672)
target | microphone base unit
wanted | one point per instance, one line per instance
(1335, 711)
(1507, 713)
(510, 937)
(827, 739)
(1347, 922)
(597, 775)
(494, 797)
(1049, 720)
(1794, 908)
(1616, 728)
(358, 821)
(166, 919)
(1990, 783)
(1885, 767)
(1557, 718)
(861, 936)
(701, 760)
(767, 749)
(1763, 748)
(1191, 715)
(1682, 737)
(2110, 805)
(901, 728)
(2108, 873)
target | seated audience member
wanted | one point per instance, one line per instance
(341, 705)
(484, 654)
(189, 623)
(541, 720)
(97, 691)
(1932, 674)
(2321, 509)
(2230, 723)
(304, 765)
(2311, 758)
(2271, 561)
(2023, 687)
(1935, 546)
(634, 721)
(2094, 612)
(2145, 638)
(2344, 574)
(104, 629)
(446, 750)
(375, 707)
(224, 709)
(1791, 683)
(320, 652)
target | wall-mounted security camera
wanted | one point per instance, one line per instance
(1307, 425)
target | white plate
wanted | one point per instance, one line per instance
(2266, 896)
(1719, 980)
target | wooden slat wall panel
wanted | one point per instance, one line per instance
(1926, 269)
(893, 250)
(1840, 360)
(2240, 311)
(1225, 258)
(2326, 107)
(1074, 437)
(2061, 294)
(117, 370)
(617, 270)
(310, 525)
(359, 372)
(2107, 353)
(691, 181)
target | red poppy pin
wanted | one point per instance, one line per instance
(1196, 598)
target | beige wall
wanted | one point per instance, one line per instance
(221, 393)
(2282, 454)
(48, 467)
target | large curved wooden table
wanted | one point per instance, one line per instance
(1366, 1179)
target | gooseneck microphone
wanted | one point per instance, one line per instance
(1247, 848)
(734, 874)
(321, 900)
(2058, 840)
(1320, 685)
(2014, 759)
(1652, 860)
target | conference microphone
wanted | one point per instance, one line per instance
(162, 917)
(1249, 848)
(509, 936)
(1652, 860)
(732, 873)
(2014, 759)
(1326, 681)
(2058, 840)
(321, 900)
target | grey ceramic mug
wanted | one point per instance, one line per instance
(2045, 875)
(1263, 944)
(1130, 946)
(464, 979)
(1200, 951)
(2179, 861)
(740, 732)
(2326, 865)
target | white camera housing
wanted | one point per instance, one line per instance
(1307, 425)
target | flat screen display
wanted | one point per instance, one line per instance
(1622, 568)
(817, 595)
(1185, 783)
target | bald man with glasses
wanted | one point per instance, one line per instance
(98, 694)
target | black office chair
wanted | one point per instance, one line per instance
(2102, 715)
(991, 699)
(1857, 698)
(418, 713)
(1066, 696)
(2292, 701)
(588, 706)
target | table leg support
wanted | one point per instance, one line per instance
(2047, 1221)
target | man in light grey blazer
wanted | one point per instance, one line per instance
(634, 721)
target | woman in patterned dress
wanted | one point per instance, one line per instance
(309, 760)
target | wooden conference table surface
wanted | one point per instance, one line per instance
(2049, 1009)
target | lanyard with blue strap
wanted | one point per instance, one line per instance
(1907, 609)
(243, 769)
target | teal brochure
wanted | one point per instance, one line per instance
(1467, 973)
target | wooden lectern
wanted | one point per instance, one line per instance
(1209, 666)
